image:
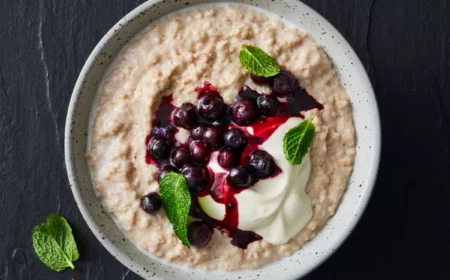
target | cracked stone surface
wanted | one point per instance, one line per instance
(404, 46)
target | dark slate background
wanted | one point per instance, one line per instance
(403, 44)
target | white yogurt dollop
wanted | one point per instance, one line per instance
(274, 208)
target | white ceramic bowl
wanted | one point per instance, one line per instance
(365, 112)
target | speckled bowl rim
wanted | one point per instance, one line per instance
(70, 150)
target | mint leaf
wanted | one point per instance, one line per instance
(258, 62)
(54, 244)
(297, 141)
(176, 201)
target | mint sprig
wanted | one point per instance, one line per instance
(54, 244)
(176, 201)
(297, 141)
(258, 62)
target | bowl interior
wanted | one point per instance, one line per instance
(354, 79)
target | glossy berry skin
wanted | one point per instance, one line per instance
(197, 177)
(240, 178)
(185, 116)
(214, 137)
(200, 152)
(199, 234)
(261, 164)
(284, 83)
(247, 92)
(166, 132)
(268, 105)
(244, 112)
(227, 158)
(260, 80)
(235, 139)
(151, 203)
(181, 156)
(158, 147)
(211, 107)
(195, 211)
(164, 170)
(198, 132)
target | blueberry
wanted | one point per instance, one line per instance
(166, 132)
(268, 105)
(151, 202)
(164, 170)
(240, 178)
(197, 132)
(185, 116)
(195, 211)
(199, 234)
(284, 83)
(158, 147)
(214, 137)
(247, 92)
(261, 164)
(181, 156)
(227, 158)
(235, 139)
(260, 80)
(244, 112)
(211, 107)
(197, 177)
(200, 152)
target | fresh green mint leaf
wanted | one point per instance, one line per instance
(176, 201)
(297, 141)
(54, 244)
(258, 62)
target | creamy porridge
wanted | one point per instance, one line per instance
(172, 59)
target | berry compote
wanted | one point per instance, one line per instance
(222, 158)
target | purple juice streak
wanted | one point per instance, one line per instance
(299, 101)
(163, 116)
(239, 238)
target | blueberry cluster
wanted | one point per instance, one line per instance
(216, 126)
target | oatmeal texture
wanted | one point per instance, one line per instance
(177, 55)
